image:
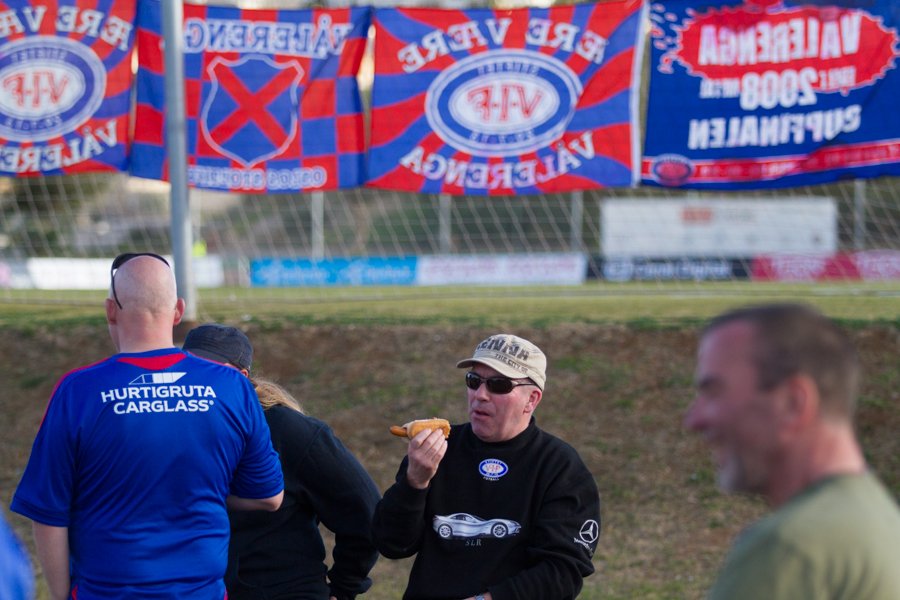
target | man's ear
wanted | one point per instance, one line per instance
(179, 311)
(112, 312)
(534, 398)
(800, 402)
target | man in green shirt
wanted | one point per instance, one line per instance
(776, 391)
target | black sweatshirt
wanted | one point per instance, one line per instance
(518, 518)
(281, 554)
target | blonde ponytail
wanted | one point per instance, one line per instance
(271, 394)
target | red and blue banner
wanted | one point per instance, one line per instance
(768, 93)
(65, 86)
(502, 102)
(273, 103)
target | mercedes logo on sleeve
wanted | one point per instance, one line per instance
(589, 532)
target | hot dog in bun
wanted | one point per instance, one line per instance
(412, 429)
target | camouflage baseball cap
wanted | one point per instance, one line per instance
(510, 356)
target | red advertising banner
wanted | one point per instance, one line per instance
(872, 265)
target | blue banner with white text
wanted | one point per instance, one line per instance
(764, 94)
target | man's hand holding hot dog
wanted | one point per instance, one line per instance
(425, 453)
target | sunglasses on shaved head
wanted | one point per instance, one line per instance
(121, 260)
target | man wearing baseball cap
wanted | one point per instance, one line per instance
(222, 344)
(501, 510)
(282, 554)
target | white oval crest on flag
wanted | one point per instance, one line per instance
(48, 86)
(502, 102)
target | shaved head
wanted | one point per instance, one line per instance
(143, 304)
(146, 283)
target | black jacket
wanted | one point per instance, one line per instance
(281, 554)
(518, 518)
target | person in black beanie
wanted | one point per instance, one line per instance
(281, 555)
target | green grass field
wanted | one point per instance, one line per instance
(589, 303)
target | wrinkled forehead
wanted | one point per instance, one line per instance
(728, 347)
(738, 336)
(485, 371)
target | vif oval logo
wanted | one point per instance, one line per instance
(502, 102)
(48, 87)
(492, 469)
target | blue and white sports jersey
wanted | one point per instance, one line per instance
(136, 455)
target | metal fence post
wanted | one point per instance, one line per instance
(176, 150)
(445, 229)
(576, 218)
(317, 224)
(859, 214)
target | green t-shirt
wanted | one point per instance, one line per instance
(837, 540)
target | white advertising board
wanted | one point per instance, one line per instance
(69, 273)
(733, 227)
(93, 273)
(502, 269)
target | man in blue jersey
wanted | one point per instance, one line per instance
(140, 455)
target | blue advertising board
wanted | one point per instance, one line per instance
(304, 272)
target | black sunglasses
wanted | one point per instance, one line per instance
(495, 385)
(121, 260)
